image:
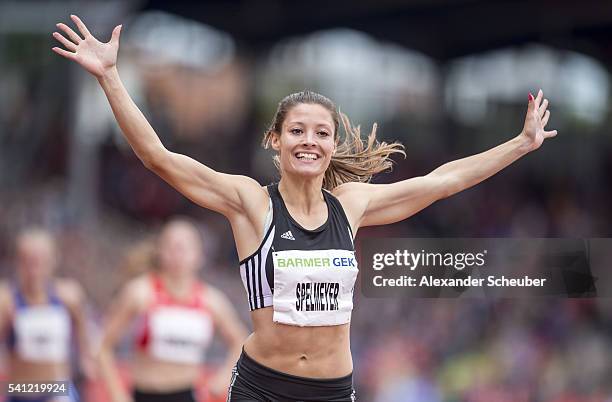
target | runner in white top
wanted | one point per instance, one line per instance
(38, 313)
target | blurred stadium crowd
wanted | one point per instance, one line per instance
(63, 165)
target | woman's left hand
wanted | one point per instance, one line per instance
(537, 117)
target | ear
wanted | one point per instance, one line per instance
(275, 141)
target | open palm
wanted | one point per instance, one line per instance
(94, 56)
(536, 120)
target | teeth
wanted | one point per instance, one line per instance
(303, 155)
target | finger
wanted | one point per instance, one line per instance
(545, 118)
(538, 98)
(69, 45)
(531, 104)
(64, 53)
(550, 134)
(71, 34)
(80, 25)
(543, 107)
(116, 33)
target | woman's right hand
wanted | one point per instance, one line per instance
(94, 56)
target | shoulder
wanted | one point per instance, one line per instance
(5, 289)
(211, 294)
(215, 299)
(354, 198)
(249, 190)
(348, 191)
(139, 287)
(250, 221)
(6, 299)
(252, 195)
(137, 293)
(69, 291)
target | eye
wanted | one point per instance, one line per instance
(296, 131)
(323, 133)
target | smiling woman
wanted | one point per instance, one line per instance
(299, 349)
(350, 160)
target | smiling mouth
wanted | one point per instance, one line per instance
(307, 156)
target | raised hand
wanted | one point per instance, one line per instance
(536, 120)
(94, 56)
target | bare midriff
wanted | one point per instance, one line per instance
(314, 352)
(25, 371)
(153, 375)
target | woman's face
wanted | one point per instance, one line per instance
(180, 249)
(36, 258)
(306, 143)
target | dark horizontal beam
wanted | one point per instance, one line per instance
(442, 29)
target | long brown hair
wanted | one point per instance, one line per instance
(353, 160)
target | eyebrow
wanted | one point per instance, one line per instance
(302, 124)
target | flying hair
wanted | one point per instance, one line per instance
(354, 160)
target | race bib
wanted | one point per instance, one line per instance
(314, 287)
(179, 335)
(43, 334)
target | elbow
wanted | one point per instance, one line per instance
(237, 346)
(450, 186)
(238, 339)
(149, 164)
(154, 161)
(446, 192)
(100, 355)
(444, 186)
(103, 352)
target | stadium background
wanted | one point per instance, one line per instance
(447, 78)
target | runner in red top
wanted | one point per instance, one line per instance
(176, 330)
(177, 315)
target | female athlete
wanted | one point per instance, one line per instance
(295, 238)
(38, 314)
(178, 316)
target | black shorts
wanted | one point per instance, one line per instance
(177, 396)
(253, 382)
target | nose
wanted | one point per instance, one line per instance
(309, 138)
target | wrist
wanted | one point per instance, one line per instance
(109, 75)
(524, 144)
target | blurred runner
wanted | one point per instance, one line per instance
(41, 317)
(177, 316)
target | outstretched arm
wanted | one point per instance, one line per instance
(220, 192)
(378, 204)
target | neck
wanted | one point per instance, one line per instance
(178, 285)
(33, 292)
(303, 194)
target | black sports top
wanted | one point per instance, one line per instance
(284, 233)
